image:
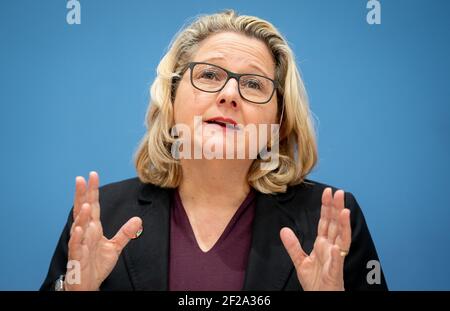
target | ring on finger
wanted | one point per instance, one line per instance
(343, 252)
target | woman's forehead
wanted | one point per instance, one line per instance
(236, 52)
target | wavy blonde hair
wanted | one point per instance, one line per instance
(297, 145)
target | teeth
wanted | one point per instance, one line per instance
(224, 124)
(216, 122)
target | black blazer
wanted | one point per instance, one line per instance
(144, 262)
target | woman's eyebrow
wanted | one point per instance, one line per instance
(250, 64)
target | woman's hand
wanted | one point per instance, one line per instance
(323, 269)
(95, 254)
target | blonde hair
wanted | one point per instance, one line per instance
(297, 145)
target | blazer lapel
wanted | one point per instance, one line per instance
(147, 257)
(269, 265)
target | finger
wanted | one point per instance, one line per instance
(83, 217)
(338, 201)
(80, 195)
(93, 195)
(129, 230)
(74, 245)
(292, 246)
(336, 269)
(92, 235)
(325, 212)
(337, 207)
(327, 197)
(345, 233)
(321, 250)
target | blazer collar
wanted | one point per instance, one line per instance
(147, 256)
(269, 265)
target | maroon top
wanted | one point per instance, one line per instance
(220, 268)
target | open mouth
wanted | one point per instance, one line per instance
(223, 124)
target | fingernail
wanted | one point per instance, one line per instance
(138, 233)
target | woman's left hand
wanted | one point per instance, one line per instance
(323, 269)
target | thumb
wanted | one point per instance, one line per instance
(293, 247)
(130, 230)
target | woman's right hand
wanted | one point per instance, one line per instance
(96, 254)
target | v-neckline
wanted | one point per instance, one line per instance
(244, 204)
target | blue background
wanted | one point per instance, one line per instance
(73, 99)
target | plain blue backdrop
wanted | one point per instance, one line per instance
(73, 99)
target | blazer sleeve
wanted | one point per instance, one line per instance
(58, 263)
(362, 268)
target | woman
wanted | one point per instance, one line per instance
(206, 222)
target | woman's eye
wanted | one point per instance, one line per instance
(253, 84)
(210, 75)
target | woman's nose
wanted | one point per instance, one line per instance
(230, 93)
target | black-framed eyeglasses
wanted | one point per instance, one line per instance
(211, 78)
